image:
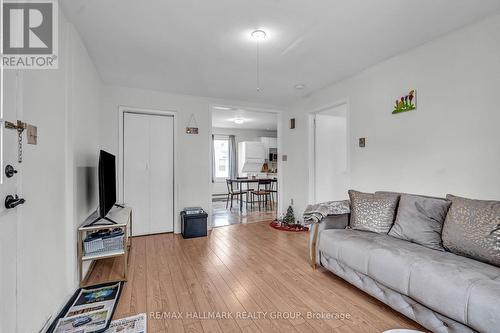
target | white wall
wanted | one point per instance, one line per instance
(84, 135)
(240, 135)
(193, 181)
(245, 134)
(450, 144)
(55, 181)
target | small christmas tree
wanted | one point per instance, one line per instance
(289, 217)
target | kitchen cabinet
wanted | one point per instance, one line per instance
(251, 156)
(269, 143)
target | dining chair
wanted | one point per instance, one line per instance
(274, 191)
(263, 191)
(247, 189)
(231, 193)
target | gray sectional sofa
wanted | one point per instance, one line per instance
(443, 291)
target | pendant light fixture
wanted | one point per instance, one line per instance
(258, 35)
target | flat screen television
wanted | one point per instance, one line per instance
(107, 182)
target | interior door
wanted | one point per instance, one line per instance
(148, 168)
(331, 174)
(8, 217)
(161, 170)
(135, 170)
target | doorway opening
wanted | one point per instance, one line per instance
(329, 165)
(245, 175)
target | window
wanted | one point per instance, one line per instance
(221, 158)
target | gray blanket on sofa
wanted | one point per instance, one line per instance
(315, 213)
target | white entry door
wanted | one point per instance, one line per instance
(331, 173)
(148, 171)
(8, 217)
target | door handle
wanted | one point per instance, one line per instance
(12, 202)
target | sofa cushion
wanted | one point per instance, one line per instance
(433, 321)
(369, 253)
(472, 229)
(482, 312)
(445, 284)
(442, 281)
(420, 220)
(373, 212)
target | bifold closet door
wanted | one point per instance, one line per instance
(148, 171)
(161, 173)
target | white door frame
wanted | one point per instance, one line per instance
(127, 109)
(312, 146)
(279, 114)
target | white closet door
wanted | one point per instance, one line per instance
(135, 170)
(148, 171)
(161, 172)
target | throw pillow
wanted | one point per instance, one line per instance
(373, 212)
(472, 229)
(420, 220)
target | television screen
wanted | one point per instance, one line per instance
(107, 182)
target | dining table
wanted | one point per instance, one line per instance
(249, 180)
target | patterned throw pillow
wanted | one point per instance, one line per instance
(472, 229)
(373, 212)
(420, 220)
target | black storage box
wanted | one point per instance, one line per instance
(193, 222)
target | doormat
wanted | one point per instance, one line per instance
(288, 227)
(89, 310)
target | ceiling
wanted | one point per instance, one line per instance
(253, 119)
(203, 47)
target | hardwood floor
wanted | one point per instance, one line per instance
(241, 270)
(223, 217)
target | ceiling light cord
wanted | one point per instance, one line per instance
(258, 66)
(258, 35)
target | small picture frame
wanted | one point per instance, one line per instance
(191, 130)
(192, 126)
(407, 102)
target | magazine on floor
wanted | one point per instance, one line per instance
(91, 311)
(133, 324)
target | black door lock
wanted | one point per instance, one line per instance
(11, 202)
(10, 171)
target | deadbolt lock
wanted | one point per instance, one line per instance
(9, 171)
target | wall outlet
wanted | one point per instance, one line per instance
(284, 158)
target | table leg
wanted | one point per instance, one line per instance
(241, 197)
